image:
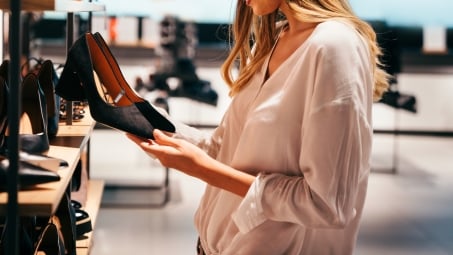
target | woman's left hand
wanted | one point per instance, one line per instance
(173, 152)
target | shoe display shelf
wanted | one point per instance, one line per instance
(71, 143)
(76, 137)
(44, 199)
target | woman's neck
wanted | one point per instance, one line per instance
(295, 26)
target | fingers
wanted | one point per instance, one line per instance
(144, 144)
(161, 144)
(135, 139)
(159, 136)
(163, 139)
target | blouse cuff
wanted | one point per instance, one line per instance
(250, 212)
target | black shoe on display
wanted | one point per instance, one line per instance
(398, 100)
(198, 90)
(189, 85)
(48, 79)
(83, 222)
(28, 174)
(33, 127)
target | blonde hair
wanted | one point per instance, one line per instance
(261, 32)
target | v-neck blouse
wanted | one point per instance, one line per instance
(306, 133)
(282, 65)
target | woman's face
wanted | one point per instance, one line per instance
(263, 7)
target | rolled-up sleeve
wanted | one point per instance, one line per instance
(250, 212)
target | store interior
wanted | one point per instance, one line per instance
(147, 209)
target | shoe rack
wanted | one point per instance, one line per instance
(71, 143)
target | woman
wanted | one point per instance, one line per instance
(287, 167)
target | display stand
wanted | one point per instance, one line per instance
(43, 201)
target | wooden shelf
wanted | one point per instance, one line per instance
(56, 5)
(93, 203)
(43, 199)
(75, 135)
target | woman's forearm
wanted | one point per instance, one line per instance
(225, 177)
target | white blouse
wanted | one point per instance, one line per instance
(306, 132)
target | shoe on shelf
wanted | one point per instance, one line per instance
(50, 241)
(33, 135)
(78, 110)
(48, 79)
(83, 222)
(33, 119)
(92, 73)
(399, 100)
(187, 84)
(76, 204)
(28, 174)
(44, 161)
(197, 90)
(191, 85)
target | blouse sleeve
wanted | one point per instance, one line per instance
(334, 152)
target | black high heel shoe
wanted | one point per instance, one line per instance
(48, 78)
(91, 71)
(33, 122)
(34, 138)
(191, 86)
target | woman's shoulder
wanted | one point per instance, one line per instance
(336, 33)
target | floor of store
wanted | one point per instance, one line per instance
(409, 212)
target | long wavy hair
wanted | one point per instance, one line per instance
(260, 32)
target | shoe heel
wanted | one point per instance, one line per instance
(69, 86)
